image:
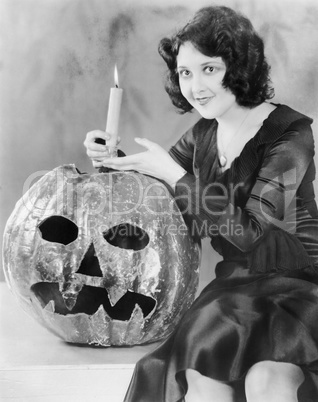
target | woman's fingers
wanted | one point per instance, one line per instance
(125, 162)
(146, 143)
(92, 136)
(97, 163)
(95, 149)
(112, 163)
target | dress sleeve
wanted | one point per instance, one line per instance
(182, 152)
(283, 166)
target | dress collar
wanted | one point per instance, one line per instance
(206, 155)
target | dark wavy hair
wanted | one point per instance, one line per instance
(221, 32)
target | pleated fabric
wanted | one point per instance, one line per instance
(238, 320)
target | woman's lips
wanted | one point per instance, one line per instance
(204, 100)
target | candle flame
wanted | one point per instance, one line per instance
(116, 76)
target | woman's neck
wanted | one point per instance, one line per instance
(240, 117)
(230, 122)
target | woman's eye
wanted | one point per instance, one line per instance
(210, 69)
(184, 73)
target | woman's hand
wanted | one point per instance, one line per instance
(97, 152)
(155, 161)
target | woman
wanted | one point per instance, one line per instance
(248, 163)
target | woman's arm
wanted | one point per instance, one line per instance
(183, 151)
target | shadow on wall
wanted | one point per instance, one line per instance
(57, 67)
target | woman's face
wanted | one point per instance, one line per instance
(200, 80)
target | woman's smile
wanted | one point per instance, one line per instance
(204, 100)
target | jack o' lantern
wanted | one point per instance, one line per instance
(102, 259)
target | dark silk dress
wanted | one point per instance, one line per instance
(262, 217)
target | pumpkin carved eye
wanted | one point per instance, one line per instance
(58, 229)
(127, 236)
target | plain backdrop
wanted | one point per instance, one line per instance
(57, 60)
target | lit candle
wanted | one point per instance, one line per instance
(114, 105)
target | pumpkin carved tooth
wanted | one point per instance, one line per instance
(50, 307)
(70, 289)
(115, 293)
(70, 301)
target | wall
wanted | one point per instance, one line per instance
(56, 68)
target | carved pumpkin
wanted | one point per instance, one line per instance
(102, 259)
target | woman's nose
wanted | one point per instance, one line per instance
(198, 85)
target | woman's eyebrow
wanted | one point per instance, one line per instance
(220, 63)
(206, 63)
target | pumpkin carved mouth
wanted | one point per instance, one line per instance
(74, 296)
(90, 298)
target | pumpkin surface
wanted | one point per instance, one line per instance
(101, 259)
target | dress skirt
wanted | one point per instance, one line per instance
(239, 319)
